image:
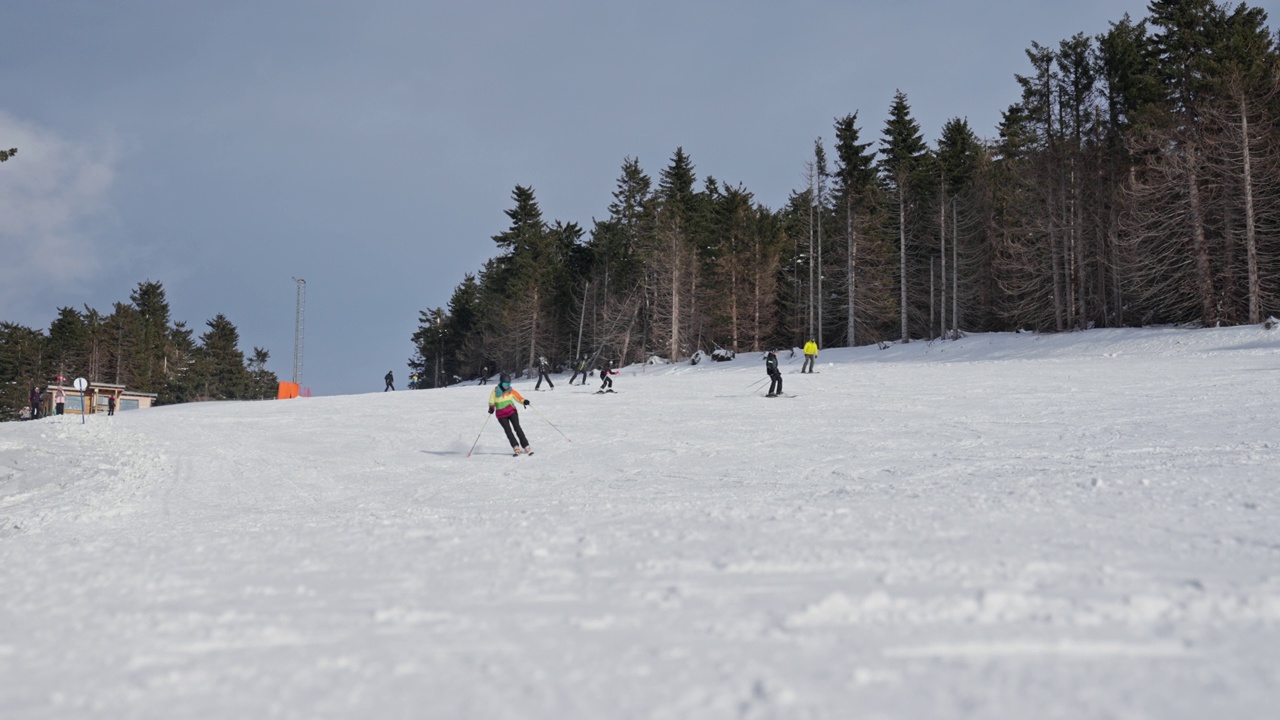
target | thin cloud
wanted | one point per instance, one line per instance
(52, 194)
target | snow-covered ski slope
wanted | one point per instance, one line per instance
(1083, 525)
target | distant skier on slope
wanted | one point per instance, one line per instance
(580, 367)
(810, 356)
(390, 380)
(775, 375)
(502, 402)
(544, 373)
(606, 382)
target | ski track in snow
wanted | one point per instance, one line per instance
(1014, 525)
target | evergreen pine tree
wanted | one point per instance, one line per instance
(184, 381)
(69, 344)
(857, 198)
(150, 347)
(262, 382)
(903, 151)
(222, 365)
(23, 365)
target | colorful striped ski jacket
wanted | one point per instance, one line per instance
(504, 400)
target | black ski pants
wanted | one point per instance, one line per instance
(544, 376)
(512, 422)
(775, 383)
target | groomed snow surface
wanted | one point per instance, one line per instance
(1083, 525)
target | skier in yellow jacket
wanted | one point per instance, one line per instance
(810, 356)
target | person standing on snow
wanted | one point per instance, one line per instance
(59, 401)
(810, 356)
(775, 375)
(390, 379)
(544, 373)
(502, 402)
(36, 399)
(580, 367)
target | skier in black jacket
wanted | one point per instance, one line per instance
(544, 373)
(775, 376)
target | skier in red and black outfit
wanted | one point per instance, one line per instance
(606, 382)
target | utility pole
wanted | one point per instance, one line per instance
(298, 323)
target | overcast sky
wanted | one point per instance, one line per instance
(224, 148)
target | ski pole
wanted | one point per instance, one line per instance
(482, 427)
(757, 383)
(553, 425)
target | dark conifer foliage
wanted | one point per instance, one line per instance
(906, 174)
(1136, 181)
(137, 345)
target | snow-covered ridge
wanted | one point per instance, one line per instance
(1012, 525)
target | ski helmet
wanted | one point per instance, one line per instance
(504, 379)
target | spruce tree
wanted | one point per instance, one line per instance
(183, 380)
(432, 340)
(524, 274)
(68, 343)
(262, 382)
(676, 188)
(462, 352)
(23, 365)
(1247, 89)
(222, 366)
(1184, 47)
(958, 155)
(856, 194)
(151, 346)
(903, 151)
(617, 243)
(675, 257)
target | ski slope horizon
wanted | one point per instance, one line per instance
(1009, 525)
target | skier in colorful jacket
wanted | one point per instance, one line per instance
(810, 356)
(502, 403)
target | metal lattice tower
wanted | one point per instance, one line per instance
(298, 323)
